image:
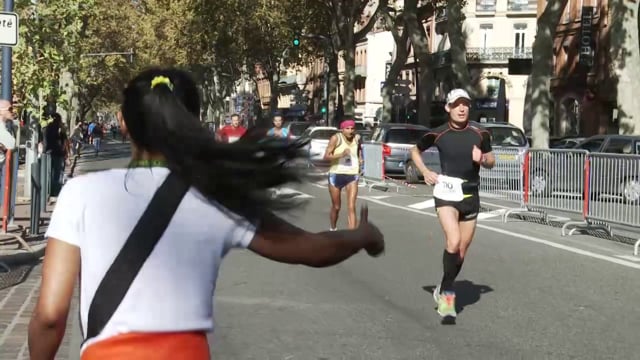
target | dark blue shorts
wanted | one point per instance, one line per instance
(342, 180)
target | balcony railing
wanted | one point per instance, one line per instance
(522, 5)
(485, 5)
(497, 54)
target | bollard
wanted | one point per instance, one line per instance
(6, 200)
(42, 164)
(14, 185)
(36, 187)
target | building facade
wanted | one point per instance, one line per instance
(581, 86)
(495, 30)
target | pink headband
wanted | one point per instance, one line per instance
(347, 123)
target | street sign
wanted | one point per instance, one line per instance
(8, 29)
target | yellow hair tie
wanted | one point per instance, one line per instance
(161, 80)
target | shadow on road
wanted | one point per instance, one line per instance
(467, 293)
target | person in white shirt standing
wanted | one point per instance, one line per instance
(226, 204)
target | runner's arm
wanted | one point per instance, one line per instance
(328, 154)
(48, 323)
(488, 159)
(278, 240)
(416, 152)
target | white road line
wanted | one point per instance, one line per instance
(629, 257)
(491, 214)
(574, 250)
(290, 191)
(380, 197)
(424, 205)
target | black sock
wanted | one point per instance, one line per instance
(450, 265)
(459, 266)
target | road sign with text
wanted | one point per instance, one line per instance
(8, 29)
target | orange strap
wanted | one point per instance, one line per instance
(152, 346)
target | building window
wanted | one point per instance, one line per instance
(522, 5)
(493, 87)
(485, 34)
(519, 46)
(485, 5)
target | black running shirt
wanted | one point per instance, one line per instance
(455, 147)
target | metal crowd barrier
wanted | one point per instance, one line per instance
(598, 189)
(373, 159)
(614, 191)
(505, 180)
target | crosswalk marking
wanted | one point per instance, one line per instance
(491, 214)
(424, 205)
(285, 191)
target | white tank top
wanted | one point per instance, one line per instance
(174, 289)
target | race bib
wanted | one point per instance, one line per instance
(348, 163)
(233, 139)
(448, 188)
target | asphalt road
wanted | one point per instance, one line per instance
(524, 293)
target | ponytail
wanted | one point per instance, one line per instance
(164, 119)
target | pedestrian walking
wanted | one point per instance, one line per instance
(148, 271)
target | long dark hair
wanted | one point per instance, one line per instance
(164, 119)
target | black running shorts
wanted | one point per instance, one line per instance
(468, 208)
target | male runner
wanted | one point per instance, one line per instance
(277, 130)
(464, 146)
(344, 153)
(231, 133)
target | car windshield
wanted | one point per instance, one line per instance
(296, 129)
(506, 136)
(405, 136)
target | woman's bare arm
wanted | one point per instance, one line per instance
(59, 274)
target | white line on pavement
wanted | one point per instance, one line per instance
(490, 214)
(424, 204)
(574, 250)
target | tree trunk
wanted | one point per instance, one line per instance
(348, 96)
(420, 43)
(332, 104)
(458, 41)
(399, 60)
(626, 63)
(541, 72)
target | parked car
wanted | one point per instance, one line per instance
(503, 136)
(397, 140)
(319, 140)
(567, 142)
(565, 171)
(297, 128)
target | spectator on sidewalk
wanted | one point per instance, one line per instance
(7, 133)
(164, 259)
(55, 144)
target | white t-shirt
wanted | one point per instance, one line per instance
(174, 289)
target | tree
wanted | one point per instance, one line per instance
(50, 34)
(538, 94)
(458, 41)
(345, 15)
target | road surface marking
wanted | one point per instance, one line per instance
(289, 191)
(491, 214)
(424, 205)
(574, 250)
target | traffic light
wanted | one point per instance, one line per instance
(296, 39)
(323, 107)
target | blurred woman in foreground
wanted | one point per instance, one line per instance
(166, 310)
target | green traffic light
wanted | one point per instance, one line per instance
(296, 42)
(323, 110)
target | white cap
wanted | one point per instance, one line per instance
(456, 94)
